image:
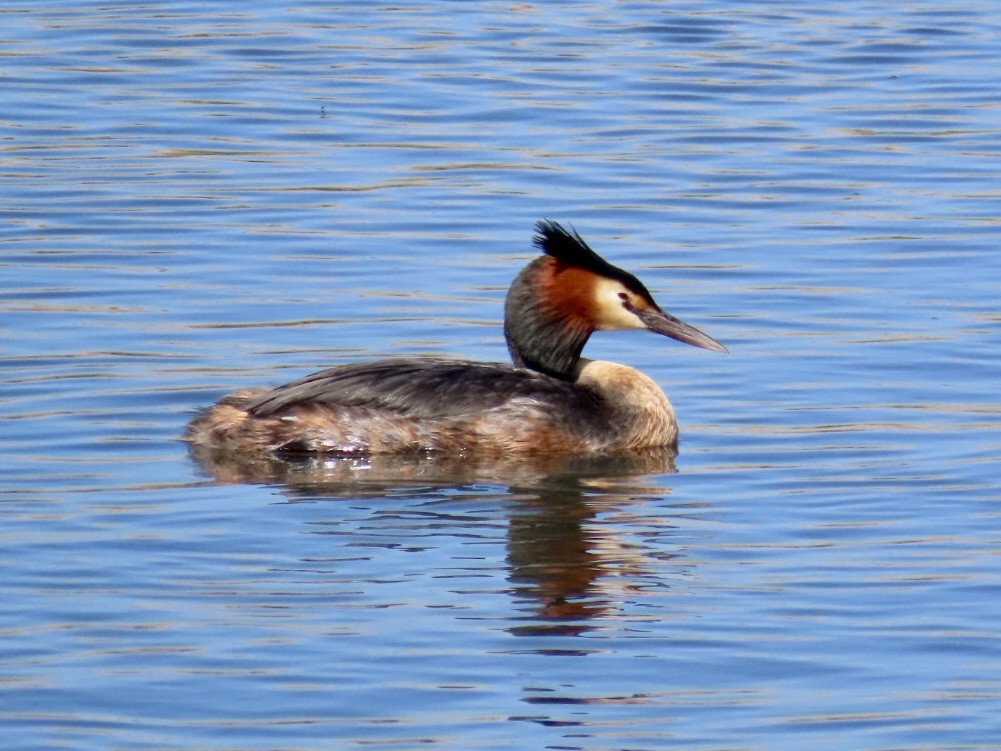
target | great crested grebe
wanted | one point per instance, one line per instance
(551, 401)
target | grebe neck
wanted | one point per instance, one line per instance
(540, 335)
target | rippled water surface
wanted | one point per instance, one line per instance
(198, 197)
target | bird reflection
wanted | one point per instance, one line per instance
(565, 567)
(563, 563)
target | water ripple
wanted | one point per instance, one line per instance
(199, 198)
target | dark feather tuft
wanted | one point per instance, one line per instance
(568, 247)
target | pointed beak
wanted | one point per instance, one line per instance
(660, 322)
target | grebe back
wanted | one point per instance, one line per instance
(551, 401)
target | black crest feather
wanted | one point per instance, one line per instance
(553, 239)
(568, 247)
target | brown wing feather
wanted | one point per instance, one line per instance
(417, 388)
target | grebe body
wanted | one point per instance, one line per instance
(550, 401)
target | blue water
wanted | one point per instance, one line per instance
(199, 197)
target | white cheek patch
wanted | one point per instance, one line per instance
(611, 314)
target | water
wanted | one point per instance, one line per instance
(199, 197)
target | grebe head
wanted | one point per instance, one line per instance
(561, 298)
